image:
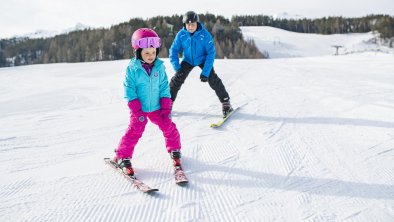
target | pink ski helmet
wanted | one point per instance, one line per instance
(145, 38)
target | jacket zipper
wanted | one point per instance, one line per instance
(192, 48)
(150, 90)
(150, 87)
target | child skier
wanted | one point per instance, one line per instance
(148, 95)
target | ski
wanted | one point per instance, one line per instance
(180, 177)
(220, 123)
(136, 182)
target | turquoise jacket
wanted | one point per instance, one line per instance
(198, 49)
(149, 89)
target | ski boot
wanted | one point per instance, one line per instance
(176, 158)
(125, 165)
(180, 177)
(226, 108)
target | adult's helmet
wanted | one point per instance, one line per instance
(145, 38)
(190, 17)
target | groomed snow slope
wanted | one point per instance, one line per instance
(313, 141)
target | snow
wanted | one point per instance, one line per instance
(313, 141)
(279, 43)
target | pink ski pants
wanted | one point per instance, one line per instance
(137, 127)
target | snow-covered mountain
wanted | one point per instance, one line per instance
(51, 33)
(77, 27)
(286, 15)
(39, 34)
(313, 141)
(279, 43)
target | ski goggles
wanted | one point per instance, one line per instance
(148, 42)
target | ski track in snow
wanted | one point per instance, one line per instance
(306, 144)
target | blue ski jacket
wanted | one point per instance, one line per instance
(198, 48)
(149, 89)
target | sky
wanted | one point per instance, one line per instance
(20, 17)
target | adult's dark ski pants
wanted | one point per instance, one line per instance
(214, 82)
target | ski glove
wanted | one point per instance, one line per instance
(203, 78)
(179, 73)
(165, 108)
(135, 109)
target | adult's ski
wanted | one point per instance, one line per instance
(220, 122)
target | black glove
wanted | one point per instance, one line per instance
(203, 78)
(179, 73)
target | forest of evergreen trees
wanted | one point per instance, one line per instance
(114, 43)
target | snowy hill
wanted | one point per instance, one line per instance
(313, 141)
(279, 43)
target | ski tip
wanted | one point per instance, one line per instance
(183, 183)
(150, 191)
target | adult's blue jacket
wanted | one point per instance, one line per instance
(198, 48)
(149, 89)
